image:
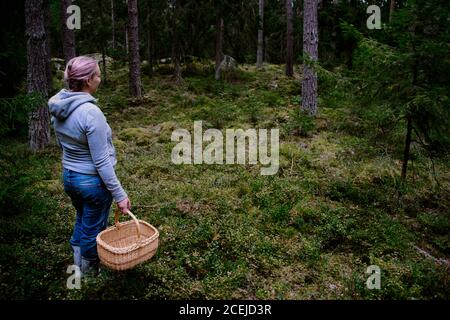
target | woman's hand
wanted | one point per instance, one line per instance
(124, 205)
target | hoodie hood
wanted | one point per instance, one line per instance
(62, 104)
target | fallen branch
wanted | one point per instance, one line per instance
(443, 262)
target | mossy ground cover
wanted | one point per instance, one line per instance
(336, 206)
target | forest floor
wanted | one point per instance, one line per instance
(335, 207)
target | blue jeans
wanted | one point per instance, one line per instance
(92, 200)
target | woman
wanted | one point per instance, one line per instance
(88, 158)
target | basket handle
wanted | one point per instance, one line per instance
(138, 227)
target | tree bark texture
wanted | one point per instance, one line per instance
(39, 120)
(149, 41)
(259, 52)
(406, 151)
(67, 34)
(391, 10)
(310, 50)
(133, 44)
(113, 25)
(289, 40)
(219, 46)
(47, 22)
(176, 46)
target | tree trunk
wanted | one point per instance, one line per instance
(68, 35)
(112, 26)
(103, 42)
(219, 46)
(47, 22)
(176, 58)
(391, 10)
(134, 59)
(266, 56)
(104, 73)
(407, 146)
(39, 129)
(151, 58)
(289, 40)
(126, 38)
(310, 50)
(149, 53)
(409, 121)
(149, 41)
(176, 50)
(259, 52)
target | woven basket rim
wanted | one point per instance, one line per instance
(131, 261)
(134, 246)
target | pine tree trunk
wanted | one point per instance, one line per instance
(126, 39)
(149, 53)
(149, 42)
(266, 56)
(391, 10)
(176, 58)
(47, 22)
(68, 35)
(409, 123)
(104, 72)
(333, 29)
(176, 50)
(289, 40)
(39, 129)
(134, 59)
(259, 52)
(310, 49)
(219, 46)
(407, 146)
(103, 42)
(113, 26)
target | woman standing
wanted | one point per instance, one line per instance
(88, 158)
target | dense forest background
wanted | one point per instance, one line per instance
(364, 119)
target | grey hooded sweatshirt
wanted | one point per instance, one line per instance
(85, 138)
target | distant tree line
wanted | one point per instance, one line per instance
(404, 66)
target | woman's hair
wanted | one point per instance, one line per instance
(78, 70)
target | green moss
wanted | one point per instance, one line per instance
(335, 207)
(140, 136)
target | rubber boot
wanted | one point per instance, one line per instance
(89, 267)
(77, 256)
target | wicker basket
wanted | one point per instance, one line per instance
(127, 244)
